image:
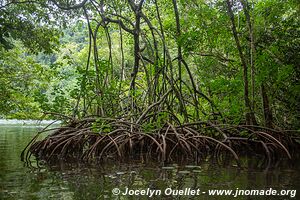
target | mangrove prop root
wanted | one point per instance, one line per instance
(119, 140)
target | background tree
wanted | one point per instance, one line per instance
(194, 60)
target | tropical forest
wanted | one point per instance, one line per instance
(153, 81)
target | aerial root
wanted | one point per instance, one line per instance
(117, 139)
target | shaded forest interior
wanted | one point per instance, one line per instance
(154, 78)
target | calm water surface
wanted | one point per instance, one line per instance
(78, 181)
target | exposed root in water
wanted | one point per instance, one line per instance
(100, 139)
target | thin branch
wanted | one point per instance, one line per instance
(153, 105)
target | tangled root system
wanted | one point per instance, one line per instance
(96, 138)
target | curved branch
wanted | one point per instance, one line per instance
(117, 21)
(153, 105)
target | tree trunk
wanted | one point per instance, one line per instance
(268, 116)
(252, 57)
(249, 114)
(179, 53)
(137, 8)
(136, 51)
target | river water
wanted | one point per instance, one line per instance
(80, 181)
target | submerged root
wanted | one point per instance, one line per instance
(116, 139)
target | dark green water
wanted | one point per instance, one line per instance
(78, 181)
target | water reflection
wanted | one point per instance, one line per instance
(80, 181)
(35, 123)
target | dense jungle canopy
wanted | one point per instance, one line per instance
(234, 61)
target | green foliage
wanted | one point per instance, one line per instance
(40, 75)
(28, 23)
(101, 126)
(160, 121)
(19, 75)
